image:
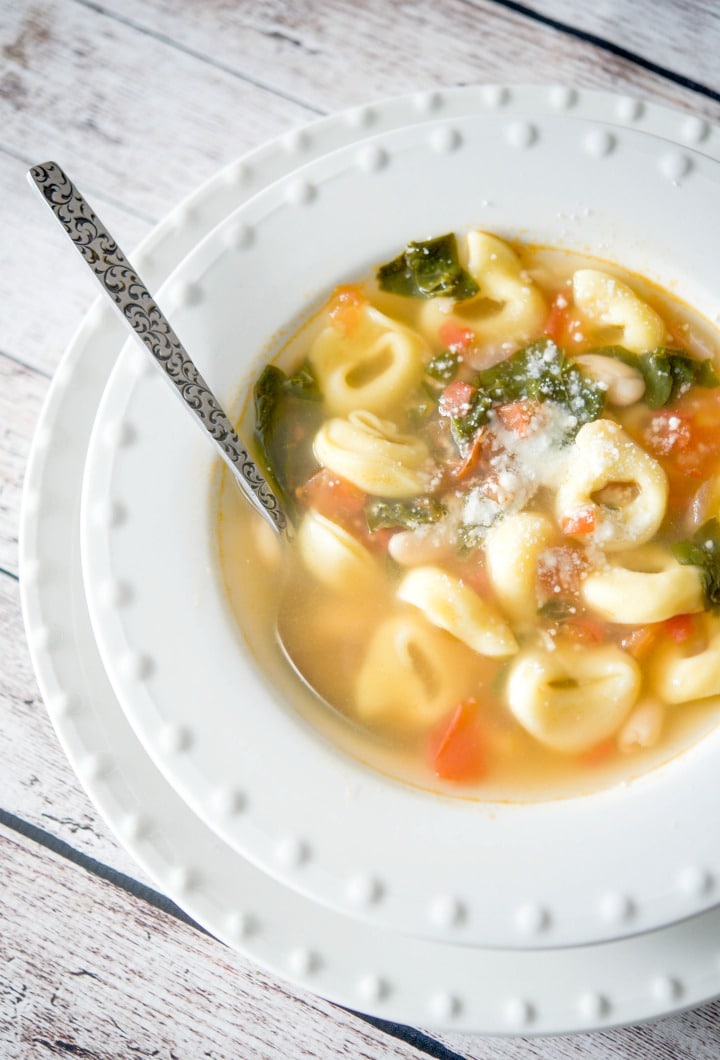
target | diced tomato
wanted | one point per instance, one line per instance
(680, 627)
(598, 754)
(457, 750)
(517, 416)
(560, 570)
(345, 308)
(456, 399)
(455, 337)
(562, 325)
(332, 495)
(475, 575)
(639, 642)
(466, 466)
(685, 439)
(584, 630)
(580, 523)
(343, 503)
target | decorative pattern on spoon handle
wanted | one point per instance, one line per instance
(136, 304)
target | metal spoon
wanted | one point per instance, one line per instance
(141, 313)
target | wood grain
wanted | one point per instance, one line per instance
(141, 100)
(337, 54)
(37, 784)
(672, 35)
(119, 979)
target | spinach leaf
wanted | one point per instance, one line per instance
(382, 515)
(703, 551)
(286, 460)
(542, 372)
(428, 270)
(668, 373)
(443, 366)
(464, 428)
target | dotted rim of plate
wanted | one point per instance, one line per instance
(294, 841)
(46, 585)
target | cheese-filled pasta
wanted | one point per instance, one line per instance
(501, 463)
(646, 585)
(602, 455)
(373, 455)
(449, 604)
(507, 309)
(615, 313)
(573, 698)
(333, 555)
(409, 672)
(369, 365)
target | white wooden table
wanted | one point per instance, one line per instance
(142, 100)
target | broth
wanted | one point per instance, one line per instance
(503, 577)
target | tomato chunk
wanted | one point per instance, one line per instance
(457, 749)
(333, 496)
(517, 416)
(345, 308)
(456, 399)
(680, 627)
(455, 337)
(579, 523)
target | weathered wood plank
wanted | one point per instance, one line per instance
(87, 970)
(37, 783)
(338, 54)
(134, 115)
(44, 290)
(673, 34)
(691, 1034)
(21, 394)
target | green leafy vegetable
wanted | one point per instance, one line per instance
(542, 372)
(557, 610)
(465, 427)
(418, 414)
(428, 270)
(444, 366)
(538, 372)
(286, 460)
(382, 515)
(703, 551)
(667, 373)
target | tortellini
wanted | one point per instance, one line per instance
(373, 454)
(678, 677)
(573, 698)
(646, 585)
(371, 367)
(512, 548)
(604, 454)
(410, 673)
(334, 556)
(509, 310)
(448, 603)
(614, 312)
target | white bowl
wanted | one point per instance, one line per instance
(216, 724)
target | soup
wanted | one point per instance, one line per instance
(503, 467)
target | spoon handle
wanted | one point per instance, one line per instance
(142, 314)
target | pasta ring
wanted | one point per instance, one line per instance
(610, 305)
(448, 603)
(509, 309)
(604, 453)
(373, 455)
(571, 699)
(646, 585)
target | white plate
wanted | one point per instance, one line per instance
(382, 973)
(318, 820)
